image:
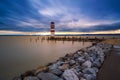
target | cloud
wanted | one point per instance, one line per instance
(86, 23)
(31, 23)
(68, 15)
(51, 12)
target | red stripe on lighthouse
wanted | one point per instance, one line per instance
(52, 30)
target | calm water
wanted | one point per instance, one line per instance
(21, 53)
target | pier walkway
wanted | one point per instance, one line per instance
(111, 67)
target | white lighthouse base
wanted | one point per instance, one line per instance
(52, 34)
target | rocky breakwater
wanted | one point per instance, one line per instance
(84, 64)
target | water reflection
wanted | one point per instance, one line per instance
(22, 53)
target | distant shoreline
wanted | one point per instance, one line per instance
(70, 35)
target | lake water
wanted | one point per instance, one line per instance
(21, 53)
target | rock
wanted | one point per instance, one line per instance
(91, 54)
(101, 59)
(40, 69)
(101, 54)
(96, 69)
(89, 77)
(48, 76)
(85, 53)
(64, 66)
(91, 59)
(89, 71)
(72, 62)
(30, 78)
(82, 78)
(81, 59)
(96, 63)
(79, 53)
(56, 65)
(80, 74)
(67, 59)
(94, 57)
(77, 68)
(56, 72)
(74, 70)
(70, 75)
(76, 56)
(87, 57)
(87, 64)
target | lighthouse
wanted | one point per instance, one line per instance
(52, 29)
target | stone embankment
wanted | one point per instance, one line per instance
(84, 64)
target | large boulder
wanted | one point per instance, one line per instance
(89, 71)
(30, 78)
(87, 57)
(97, 63)
(72, 62)
(93, 56)
(89, 77)
(76, 56)
(101, 59)
(57, 72)
(70, 75)
(48, 76)
(81, 59)
(80, 53)
(101, 54)
(91, 59)
(78, 68)
(96, 69)
(55, 65)
(87, 64)
(75, 71)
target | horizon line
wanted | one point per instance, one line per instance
(8, 32)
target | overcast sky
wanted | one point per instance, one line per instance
(68, 15)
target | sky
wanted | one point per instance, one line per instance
(68, 15)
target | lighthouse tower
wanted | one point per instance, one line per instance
(52, 30)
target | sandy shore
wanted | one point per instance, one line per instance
(112, 41)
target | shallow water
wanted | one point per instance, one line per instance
(21, 53)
